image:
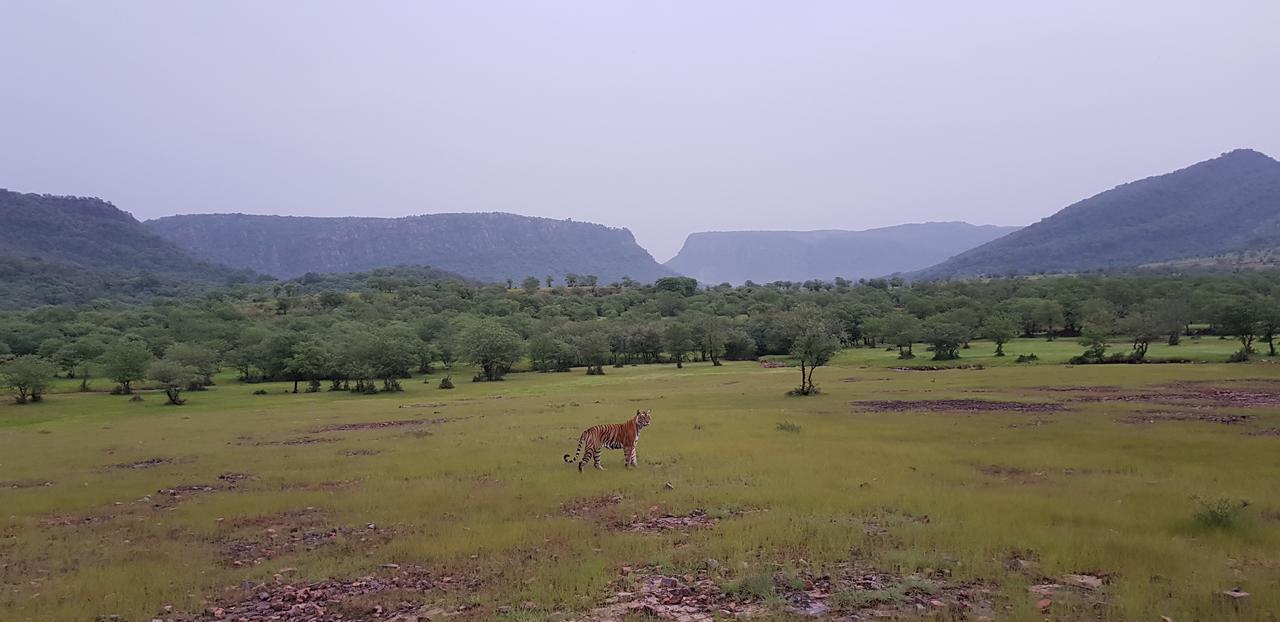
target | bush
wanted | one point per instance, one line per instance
(136, 398)
(797, 392)
(1239, 357)
(446, 382)
(260, 392)
(1218, 513)
(787, 426)
(313, 386)
(758, 586)
(1027, 358)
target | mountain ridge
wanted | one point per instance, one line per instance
(489, 246)
(1226, 204)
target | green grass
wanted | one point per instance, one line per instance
(482, 494)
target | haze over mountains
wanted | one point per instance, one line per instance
(767, 256)
(484, 246)
(1229, 204)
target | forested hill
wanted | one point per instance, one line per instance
(1225, 205)
(767, 256)
(485, 246)
(62, 249)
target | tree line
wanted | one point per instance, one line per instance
(367, 332)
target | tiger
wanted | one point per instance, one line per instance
(622, 436)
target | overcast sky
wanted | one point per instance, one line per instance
(663, 117)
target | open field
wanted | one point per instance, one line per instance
(954, 494)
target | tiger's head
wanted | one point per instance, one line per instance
(642, 418)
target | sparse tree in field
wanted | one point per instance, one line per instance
(490, 345)
(677, 340)
(203, 360)
(311, 360)
(530, 284)
(902, 330)
(550, 280)
(27, 377)
(173, 377)
(713, 332)
(1096, 326)
(628, 282)
(1269, 323)
(571, 280)
(1049, 313)
(590, 280)
(1172, 315)
(816, 341)
(126, 362)
(1240, 316)
(1142, 326)
(945, 336)
(1000, 329)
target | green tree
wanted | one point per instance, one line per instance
(530, 284)
(173, 377)
(1000, 329)
(1239, 316)
(201, 359)
(945, 336)
(27, 377)
(126, 362)
(490, 345)
(816, 341)
(677, 340)
(902, 330)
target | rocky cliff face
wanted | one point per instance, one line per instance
(488, 246)
(766, 256)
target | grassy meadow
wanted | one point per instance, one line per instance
(1003, 499)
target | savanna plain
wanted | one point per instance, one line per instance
(990, 490)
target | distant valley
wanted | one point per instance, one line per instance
(766, 256)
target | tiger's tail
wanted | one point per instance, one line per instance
(581, 439)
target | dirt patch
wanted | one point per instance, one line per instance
(396, 593)
(956, 406)
(1190, 394)
(1161, 416)
(431, 405)
(234, 478)
(26, 483)
(143, 464)
(361, 452)
(850, 593)
(590, 507)
(252, 541)
(301, 440)
(1264, 432)
(321, 486)
(696, 519)
(934, 367)
(378, 425)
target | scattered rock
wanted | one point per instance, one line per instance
(1236, 594)
(668, 486)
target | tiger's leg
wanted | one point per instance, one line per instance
(586, 456)
(596, 457)
(629, 455)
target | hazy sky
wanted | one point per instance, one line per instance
(663, 117)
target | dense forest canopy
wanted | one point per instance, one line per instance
(366, 331)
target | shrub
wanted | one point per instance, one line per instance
(136, 398)
(260, 392)
(1027, 358)
(787, 426)
(446, 382)
(313, 386)
(753, 586)
(1219, 513)
(1239, 357)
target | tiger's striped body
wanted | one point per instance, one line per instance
(622, 436)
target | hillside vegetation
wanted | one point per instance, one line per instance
(1225, 205)
(766, 256)
(489, 247)
(63, 249)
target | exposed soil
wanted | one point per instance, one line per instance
(361, 452)
(394, 594)
(1264, 432)
(431, 405)
(701, 598)
(26, 483)
(268, 537)
(696, 519)
(301, 440)
(1207, 417)
(955, 406)
(144, 464)
(591, 506)
(378, 425)
(935, 367)
(1194, 394)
